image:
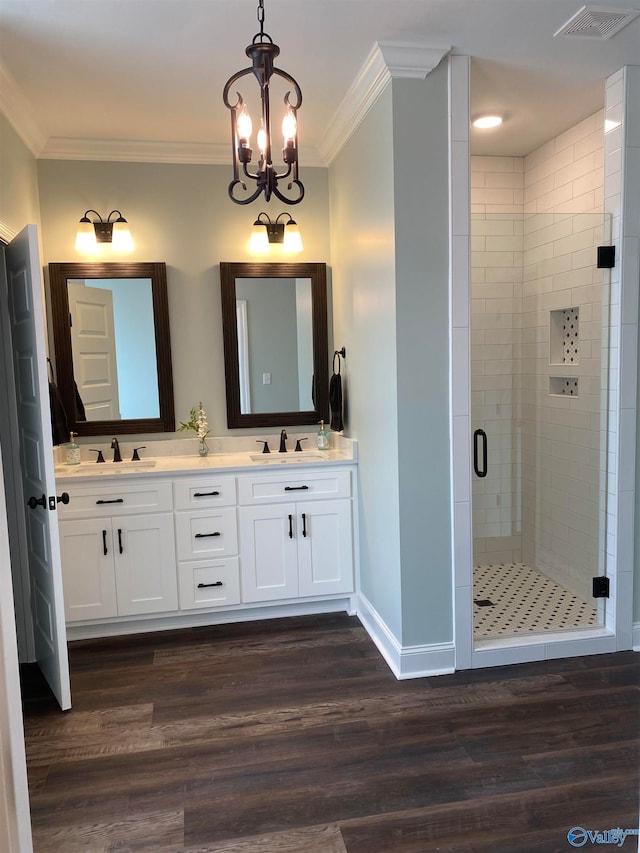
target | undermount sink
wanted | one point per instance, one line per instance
(284, 458)
(131, 466)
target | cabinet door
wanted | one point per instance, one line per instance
(145, 564)
(269, 552)
(325, 547)
(86, 548)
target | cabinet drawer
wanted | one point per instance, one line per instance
(277, 488)
(208, 533)
(209, 583)
(204, 492)
(116, 499)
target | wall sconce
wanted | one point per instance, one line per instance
(264, 232)
(114, 231)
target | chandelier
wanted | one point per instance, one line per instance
(262, 52)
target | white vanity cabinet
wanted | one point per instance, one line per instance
(296, 535)
(117, 547)
(207, 542)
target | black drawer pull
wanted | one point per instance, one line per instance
(206, 535)
(206, 494)
(104, 543)
(296, 488)
(116, 501)
(205, 585)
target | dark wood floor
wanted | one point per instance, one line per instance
(292, 736)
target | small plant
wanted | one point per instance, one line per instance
(199, 424)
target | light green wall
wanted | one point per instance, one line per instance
(179, 214)
(363, 267)
(18, 181)
(422, 333)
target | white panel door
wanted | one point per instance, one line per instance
(325, 547)
(145, 564)
(93, 343)
(269, 552)
(26, 315)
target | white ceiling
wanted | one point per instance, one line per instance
(153, 70)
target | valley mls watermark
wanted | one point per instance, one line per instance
(578, 837)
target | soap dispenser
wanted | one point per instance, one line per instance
(323, 437)
(72, 450)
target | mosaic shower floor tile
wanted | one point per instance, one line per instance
(512, 598)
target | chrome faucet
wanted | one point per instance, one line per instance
(283, 441)
(116, 450)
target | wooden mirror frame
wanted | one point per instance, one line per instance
(229, 272)
(156, 272)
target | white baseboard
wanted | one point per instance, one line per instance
(404, 661)
(635, 637)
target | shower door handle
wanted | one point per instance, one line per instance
(480, 436)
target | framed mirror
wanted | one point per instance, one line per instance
(274, 325)
(112, 347)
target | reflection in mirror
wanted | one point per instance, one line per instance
(274, 320)
(113, 357)
(275, 344)
(113, 348)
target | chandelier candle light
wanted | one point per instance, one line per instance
(262, 52)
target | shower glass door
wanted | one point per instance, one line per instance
(539, 366)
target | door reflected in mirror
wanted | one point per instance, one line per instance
(112, 347)
(274, 320)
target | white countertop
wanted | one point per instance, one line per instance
(215, 462)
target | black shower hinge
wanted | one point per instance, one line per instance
(601, 587)
(606, 257)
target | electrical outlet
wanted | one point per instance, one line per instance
(266, 379)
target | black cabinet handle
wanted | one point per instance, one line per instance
(205, 535)
(115, 501)
(120, 540)
(206, 494)
(205, 585)
(304, 524)
(34, 502)
(480, 436)
(290, 527)
(104, 543)
(296, 488)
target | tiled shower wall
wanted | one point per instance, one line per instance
(531, 255)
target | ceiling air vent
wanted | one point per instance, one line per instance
(596, 22)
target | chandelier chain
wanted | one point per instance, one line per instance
(261, 18)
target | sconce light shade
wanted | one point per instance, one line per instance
(265, 232)
(115, 231)
(263, 52)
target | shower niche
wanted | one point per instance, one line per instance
(564, 349)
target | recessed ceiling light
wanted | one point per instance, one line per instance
(487, 121)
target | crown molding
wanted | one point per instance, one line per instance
(138, 151)
(6, 234)
(19, 113)
(387, 60)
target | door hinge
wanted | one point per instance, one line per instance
(601, 587)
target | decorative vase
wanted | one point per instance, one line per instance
(203, 450)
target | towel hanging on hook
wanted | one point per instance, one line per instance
(335, 392)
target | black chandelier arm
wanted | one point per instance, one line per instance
(247, 200)
(284, 198)
(230, 82)
(295, 87)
